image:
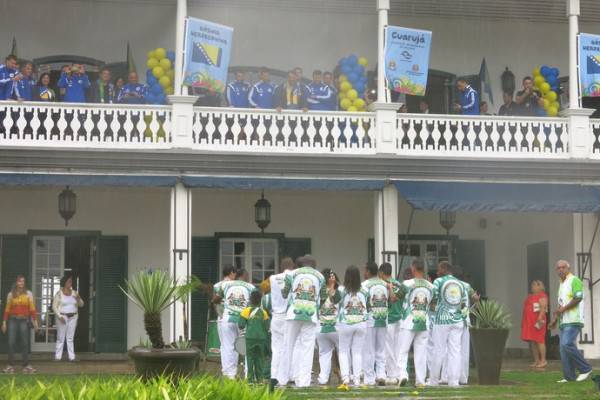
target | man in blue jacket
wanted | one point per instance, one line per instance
(261, 94)
(319, 94)
(469, 99)
(237, 92)
(24, 86)
(9, 76)
(328, 80)
(75, 82)
(132, 92)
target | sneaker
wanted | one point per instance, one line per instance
(9, 370)
(403, 382)
(380, 382)
(562, 381)
(391, 381)
(29, 370)
(584, 376)
(344, 387)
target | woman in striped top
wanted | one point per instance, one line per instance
(19, 314)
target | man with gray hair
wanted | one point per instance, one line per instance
(569, 316)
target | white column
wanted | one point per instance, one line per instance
(179, 38)
(573, 11)
(386, 227)
(180, 246)
(383, 7)
(182, 120)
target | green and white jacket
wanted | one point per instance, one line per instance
(571, 288)
(377, 296)
(236, 297)
(328, 313)
(417, 294)
(395, 309)
(305, 290)
(451, 301)
(353, 307)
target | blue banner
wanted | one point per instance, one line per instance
(589, 64)
(407, 59)
(207, 54)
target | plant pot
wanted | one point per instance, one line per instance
(174, 363)
(488, 345)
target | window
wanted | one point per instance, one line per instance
(431, 251)
(258, 256)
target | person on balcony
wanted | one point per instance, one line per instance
(65, 305)
(423, 107)
(24, 89)
(132, 92)
(319, 94)
(509, 107)
(42, 90)
(9, 77)
(469, 99)
(332, 104)
(290, 95)
(529, 100)
(261, 94)
(103, 90)
(75, 82)
(237, 92)
(484, 108)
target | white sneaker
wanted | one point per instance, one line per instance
(584, 376)
(403, 382)
(562, 381)
(391, 381)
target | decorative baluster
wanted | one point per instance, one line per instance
(348, 132)
(336, 133)
(530, 137)
(88, 124)
(62, 123)
(21, 121)
(324, 132)
(311, 130)
(35, 123)
(471, 135)
(167, 127)
(299, 130)
(273, 128)
(210, 127)
(436, 135)
(249, 130)
(128, 125)
(196, 128)
(102, 125)
(236, 129)
(48, 122)
(224, 129)
(360, 132)
(447, 134)
(553, 139)
(409, 130)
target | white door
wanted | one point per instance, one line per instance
(258, 256)
(48, 267)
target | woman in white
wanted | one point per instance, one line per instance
(65, 306)
(327, 338)
(352, 327)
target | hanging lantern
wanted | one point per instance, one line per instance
(262, 212)
(447, 220)
(67, 204)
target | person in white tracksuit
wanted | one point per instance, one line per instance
(374, 352)
(65, 305)
(352, 327)
(393, 327)
(228, 275)
(327, 338)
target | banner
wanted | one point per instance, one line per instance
(407, 59)
(589, 65)
(207, 54)
(486, 85)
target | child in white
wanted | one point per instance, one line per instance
(417, 294)
(65, 306)
(327, 338)
(352, 327)
(279, 308)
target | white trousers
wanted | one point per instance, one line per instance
(447, 342)
(374, 355)
(296, 356)
(327, 343)
(277, 343)
(229, 357)
(305, 332)
(465, 350)
(392, 345)
(418, 339)
(352, 342)
(65, 330)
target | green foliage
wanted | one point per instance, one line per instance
(489, 314)
(126, 388)
(182, 344)
(152, 292)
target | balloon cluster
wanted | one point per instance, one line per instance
(353, 83)
(545, 80)
(159, 75)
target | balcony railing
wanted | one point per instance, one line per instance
(131, 127)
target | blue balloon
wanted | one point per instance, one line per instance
(149, 73)
(353, 77)
(360, 88)
(364, 80)
(545, 71)
(353, 59)
(360, 70)
(554, 88)
(151, 80)
(552, 80)
(346, 69)
(161, 99)
(555, 71)
(156, 89)
(171, 55)
(150, 98)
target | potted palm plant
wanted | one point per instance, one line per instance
(489, 334)
(154, 292)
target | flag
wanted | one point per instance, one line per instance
(13, 50)
(130, 63)
(207, 54)
(593, 64)
(486, 85)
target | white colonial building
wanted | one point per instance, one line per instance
(174, 186)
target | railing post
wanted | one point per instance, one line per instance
(182, 120)
(385, 122)
(580, 134)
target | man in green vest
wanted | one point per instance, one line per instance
(569, 316)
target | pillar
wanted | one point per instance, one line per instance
(573, 11)
(179, 39)
(386, 227)
(182, 120)
(383, 7)
(180, 246)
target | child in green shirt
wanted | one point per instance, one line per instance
(256, 322)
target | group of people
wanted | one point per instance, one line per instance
(20, 317)
(371, 324)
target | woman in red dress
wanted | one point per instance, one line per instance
(533, 325)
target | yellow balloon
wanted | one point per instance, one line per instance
(160, 53)
(151, 54)
(170, 73)
(552, 111)
(345, 103)
(363, 61)
(151, 63)
(536, 71)
(165, 63)
(555, 104)
(352, 109)
(168, 90)
(551, 96)
(359, 103)
(343, 78)
(352, 94)
(342, 95)
(158, 72)
(345, 86)
(164, 81)
(538, 80)
(546, 104)
(545, 87)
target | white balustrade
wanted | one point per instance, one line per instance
(84, 125)
(227, 129)
(595, 138)
(482, 136)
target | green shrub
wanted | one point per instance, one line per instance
(489, 314)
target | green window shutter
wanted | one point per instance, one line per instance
(111, 303)
(14, 261)
(371, 250)
(295, 247)
(470, 256)
(205, 266)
